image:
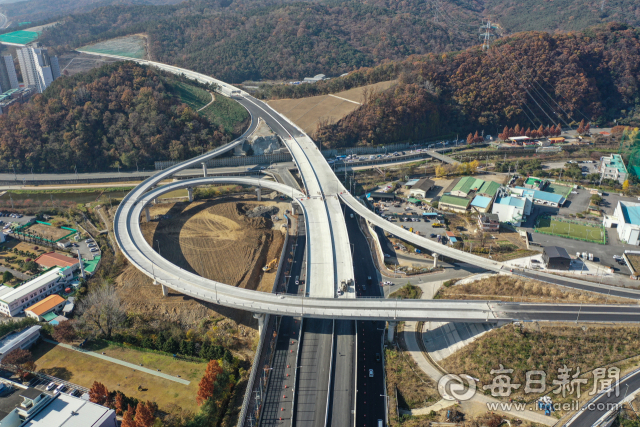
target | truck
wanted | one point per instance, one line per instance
(584, 255)
(590, 257)
(418, 251)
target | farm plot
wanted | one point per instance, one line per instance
(47, 231)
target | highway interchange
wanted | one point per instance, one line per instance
(329, 239)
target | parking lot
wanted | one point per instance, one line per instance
(43, 381)
(409, 216)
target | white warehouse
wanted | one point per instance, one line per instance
(512, 209)
(626, 218)
(14, 300)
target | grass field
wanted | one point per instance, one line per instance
(222, 112)
(83, 370)
(563, 190)
(133, 46)
(571, 230)
(547, 347)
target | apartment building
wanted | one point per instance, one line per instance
(38, 68)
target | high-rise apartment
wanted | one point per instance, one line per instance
(38, 69)
(8, 76)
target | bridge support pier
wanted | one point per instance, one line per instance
(391, 330)
(204, 169)
(260, 317)
(165, 290)
(155, 201)
(435, 259)
(190, 190)
(259, 193)
(147, 214)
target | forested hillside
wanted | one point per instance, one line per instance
(564, 15)
(283, 41)
(530, 78)
(118, 114)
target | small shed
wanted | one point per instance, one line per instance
(556, 258)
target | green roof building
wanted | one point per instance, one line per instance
(454, 203)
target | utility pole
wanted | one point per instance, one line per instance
(486, 36)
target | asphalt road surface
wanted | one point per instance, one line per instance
(569, 313)
(370, 405)
(280, 388)
(594, 410)
(313, 373)
(343, 380)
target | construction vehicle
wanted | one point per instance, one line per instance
(270, 265)
(436, 224)
(411, 229)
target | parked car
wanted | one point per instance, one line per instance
(51, 386)
(95, 250)
(75, 392)
(377, 357)
(61, 388)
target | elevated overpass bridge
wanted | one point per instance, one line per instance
(329, 258)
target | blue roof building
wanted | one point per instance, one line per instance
(541, 197)
(481, 203)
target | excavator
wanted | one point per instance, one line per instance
(270, 265)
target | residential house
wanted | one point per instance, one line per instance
(489, 222)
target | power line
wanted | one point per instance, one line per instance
(543, 89)
(526, 90)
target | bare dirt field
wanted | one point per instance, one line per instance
(308, 112)
(214, 239)
(74, 62)
(52, 233)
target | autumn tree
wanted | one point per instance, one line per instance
(64, 332)
(127, 418)
(21, 360)
(102, 310)
(470, 139)
(587, 128)
(440, 171)
(580, 129)
(145, 414)
(473, 166)
(625, 185)
(206, 386)
(517, 130)
(98, 393)
(120, 403)
(558, 130)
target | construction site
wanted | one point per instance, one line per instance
(236, 240)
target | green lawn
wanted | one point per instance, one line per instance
(563, 190)
(193, 96)
(223, 111)
(564, 229)
(227, 113)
